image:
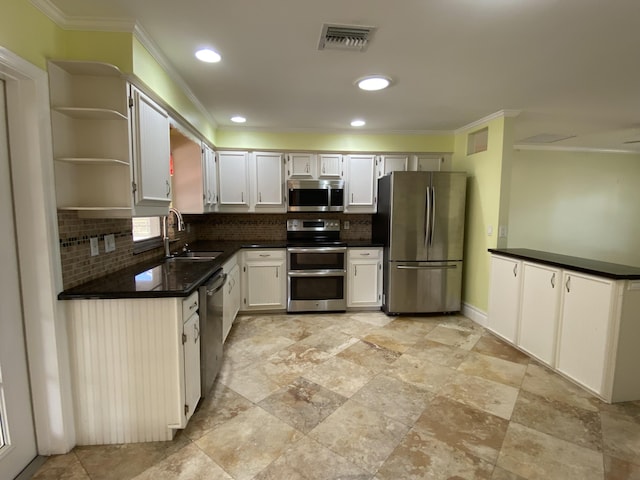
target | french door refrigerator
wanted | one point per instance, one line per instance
(420, 222)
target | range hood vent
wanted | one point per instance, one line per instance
(345, 37)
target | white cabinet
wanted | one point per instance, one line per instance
(585, 328)
(150, 151)
(364, 277)
(504, 297)
(233, 175)
(264, 277)
(135, 367)
(231, 300)
(210, 183)
(95, 138)
(541, 286)
(301, 165)
(361, 184)
(391, 163)
(426, 163)
(330, 165)
(267, 179)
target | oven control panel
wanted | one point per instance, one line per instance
(316, 225)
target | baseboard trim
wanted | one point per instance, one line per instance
(475, 314)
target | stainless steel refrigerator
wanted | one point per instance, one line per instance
(420, 221)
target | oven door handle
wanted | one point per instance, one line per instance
(318, 273)
(316, 249)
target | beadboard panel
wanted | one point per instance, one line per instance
(126, 365)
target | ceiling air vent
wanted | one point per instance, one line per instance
(345, 37)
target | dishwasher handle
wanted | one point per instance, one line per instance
(217, 285)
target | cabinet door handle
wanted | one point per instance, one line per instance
(168, 188)
(194, 305)
(352, 198)
(265, 254)
(355, 270)
(308, 168)
(553, 280)
(568, 285)
(242, 197)
(323, 169)
(365, 254)
(277, 268)
(196, 333)
(260, 197)
(515, 270)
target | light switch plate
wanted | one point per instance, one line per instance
(95, 248)
(346, 225)
(109, 243)
(502, 231)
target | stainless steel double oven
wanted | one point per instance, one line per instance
(316, 259)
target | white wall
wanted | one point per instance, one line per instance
(576, 203)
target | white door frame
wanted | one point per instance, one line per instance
(29, 122)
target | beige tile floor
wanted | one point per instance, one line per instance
(365, 396)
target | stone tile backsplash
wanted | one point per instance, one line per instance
(78, 266)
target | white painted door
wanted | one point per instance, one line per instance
(392, 163)
(210, 179)
(427, 163)
(504, 297)
(330, 165)
(233, 176)
(541, 287)
(269, 180)
(364, 283)
(301, 165)
(17, 437)
(362, 185)
(191, 348)
(264, 284)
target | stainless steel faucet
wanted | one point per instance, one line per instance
(165, 229)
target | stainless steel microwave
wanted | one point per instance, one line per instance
(315, 195)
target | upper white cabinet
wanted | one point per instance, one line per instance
(267, 179)
(391, 163)
(504, 297)
(330, 165)
(361, 184)
(210, 184)
(426, 163)
(233, 176)
(301, 165)
(110, 146)
(541, 287)
(151, 151)
(364, 277)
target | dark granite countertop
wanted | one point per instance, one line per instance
(170, 279)
(578, 264)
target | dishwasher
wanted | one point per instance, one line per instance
(210, 296)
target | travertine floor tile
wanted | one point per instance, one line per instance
(288, 364)
(370, 356)
(464, 428)
(489, 344)
(491, 397)
(308, 460)
(421, 456)
(190, 463)
(246, 444)
(329, 340)
(501, 474)
(250, 350)
(454, 337)
(252, 382)
(361, 435)
(538, 456)
(341, 376)
(302, 404)
(421, 373)
(62, 466)
(438, 353)
(559, 419)
(396, 399)
(493, 368)
(621, 436)
(616, 469)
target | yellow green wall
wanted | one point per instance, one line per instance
(484, 183)
(334, 142)
(577, 203)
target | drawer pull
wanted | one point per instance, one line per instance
(365, 254)
(515, 270)
(265, 254)
(553, 280)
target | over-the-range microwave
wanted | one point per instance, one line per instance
(315, 195)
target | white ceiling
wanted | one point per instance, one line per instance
(572, 67)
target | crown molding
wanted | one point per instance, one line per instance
(488, 118)
(327, 131)
(560, 148)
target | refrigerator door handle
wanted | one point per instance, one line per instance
(427, 218)
(432, 228)
(426, 267)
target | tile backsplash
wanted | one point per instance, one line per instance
(78, 266)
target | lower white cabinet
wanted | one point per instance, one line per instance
(539, 310)
(231, 300)
(264, 279)
(135, 367)
(584, 326)
(504, 297)
(364, 277)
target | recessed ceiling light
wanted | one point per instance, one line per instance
(373, 82)
(358, 123)
(208, 55)
(238, 119)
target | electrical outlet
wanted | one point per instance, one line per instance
(109, 243)
(346, 225)
(490, 230)
(95, 248)
(502, 231)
